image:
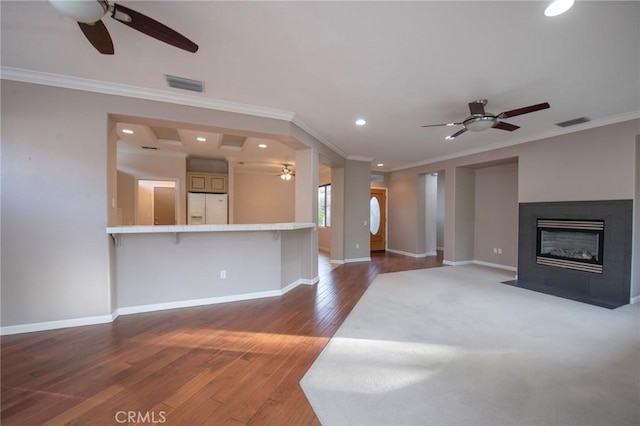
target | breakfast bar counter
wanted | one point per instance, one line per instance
(165, 267)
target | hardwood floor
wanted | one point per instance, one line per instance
(233, 363)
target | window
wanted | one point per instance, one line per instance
(324, 205)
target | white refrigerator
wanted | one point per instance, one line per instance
(206, 209)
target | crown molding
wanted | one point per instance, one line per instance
(108, 88)
(301, 124)
(585, 126)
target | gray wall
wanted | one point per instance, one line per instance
(337, 214)
(356, 213)
(440, 213)
(592, 164)
(496, 214)
(55, 251)
(431, 214)
(464, 213)
(189, 269)
(595, 164)
(59, 193)
(402, 214)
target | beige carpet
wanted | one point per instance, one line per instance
(452, 346)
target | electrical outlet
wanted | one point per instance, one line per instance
(495, 250)
(223, 275)
(357, 245)
(499, 251)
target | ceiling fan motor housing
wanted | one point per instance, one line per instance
(86, 12)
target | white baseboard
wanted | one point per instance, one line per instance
(359, 259)
(215, 300)
(54, 325)
(414, 255)
(458, 263)
(195, 302)
(480, 262)
(634, 300)
(102, 319)
(336, 262)
(306, 281)
(403, 253)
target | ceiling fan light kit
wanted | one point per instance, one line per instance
(558, 7)
(478, 124)
(89, 13)
(479, 120)
(286, 173)
(86, 12)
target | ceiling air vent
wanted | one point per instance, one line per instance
(185, 83)
(573, 122)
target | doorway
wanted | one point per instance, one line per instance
(156, 202)
(378, 219)
(434, 214)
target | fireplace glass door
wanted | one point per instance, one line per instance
(571, 244)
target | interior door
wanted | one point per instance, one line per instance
(164, 206)
(378, 219)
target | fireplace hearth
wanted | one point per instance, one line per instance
(579, 250)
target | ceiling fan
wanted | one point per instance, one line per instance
(89, 13)
(480, 120)
(286, 173)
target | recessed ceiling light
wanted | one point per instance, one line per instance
(127, 131)
(262, 145)
(558, 7)
(201, 139)
(380, 164)
(360, 122)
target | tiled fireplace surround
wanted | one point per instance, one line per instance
(609, 289)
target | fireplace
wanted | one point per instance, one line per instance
(580, 250)
(571, 244)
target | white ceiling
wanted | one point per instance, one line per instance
(249, 157)
(397, 64)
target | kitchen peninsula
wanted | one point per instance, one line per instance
(165, 267)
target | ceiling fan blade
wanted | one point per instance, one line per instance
(476, 108)
(524, 110)
(443, 124)
(505, 126)
(98, 36)
(151, 27)
(456, 134)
